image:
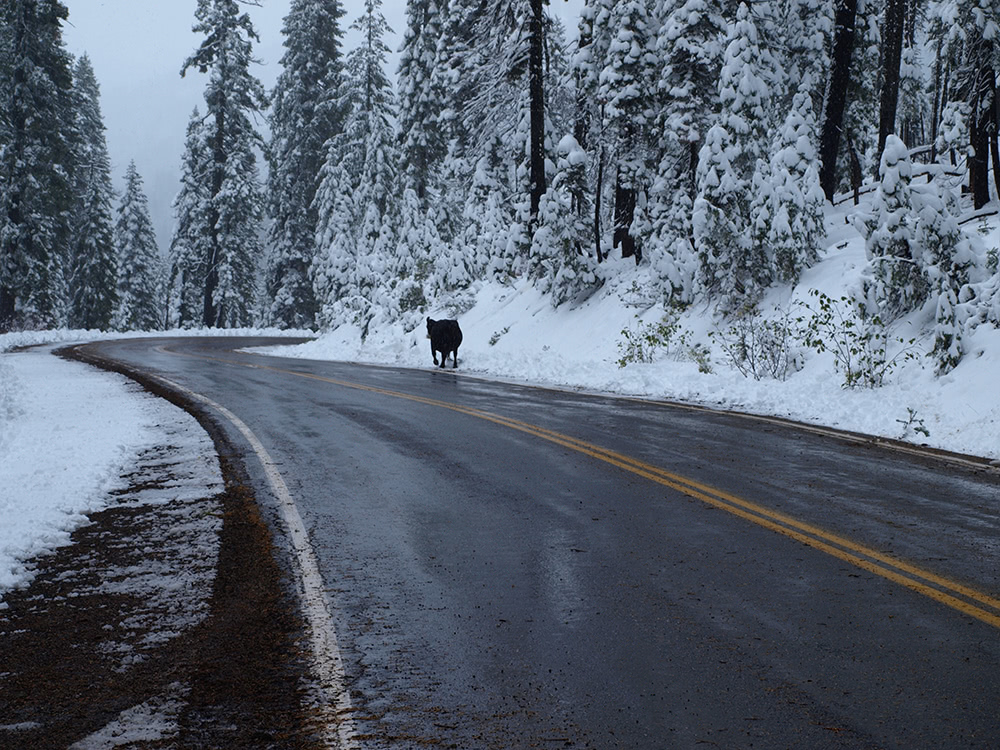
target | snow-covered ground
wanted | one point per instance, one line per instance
(67, 433)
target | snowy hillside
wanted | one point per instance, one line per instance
(513, 332)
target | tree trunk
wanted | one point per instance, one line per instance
(892, 49)
(624, 214)
(979, 162)
(597, 206)
(937, 102)
(992, 130)
(537, 105)
(836, 102)
(857, 174)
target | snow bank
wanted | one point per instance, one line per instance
(68, 431)
(513, 333)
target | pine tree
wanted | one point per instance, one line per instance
(362, 160)
(236, 205)
(191, 244)
(36, 170)
(421, 98)
(894, 284)
(796, 234)
(305, 115)
(94, 262)
(691, 43)
(333, 268)
(727, 221)
(139, 266)
(625, 90)
(559, 263)
(946, 258)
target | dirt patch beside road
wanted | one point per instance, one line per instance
(165, 623)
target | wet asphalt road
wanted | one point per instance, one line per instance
(497, 587)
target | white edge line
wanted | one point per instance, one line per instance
(327, 663)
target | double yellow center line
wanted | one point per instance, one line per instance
(950, 593)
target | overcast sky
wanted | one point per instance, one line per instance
(137, 48)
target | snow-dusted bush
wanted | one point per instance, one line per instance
(865, 350)
(760, 347)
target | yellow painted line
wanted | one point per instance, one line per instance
(956, 595)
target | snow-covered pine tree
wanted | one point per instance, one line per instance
(305, 114)
(802, 37)
(947, 259)
(727, 221)
(559, 256)
(796, 233)
(364, 158)
(488, 217)
(914, 102)
(421, 98)
(36, 168)
(336, 253)
(235, 209)
(457, 56)
(93, 281)
(140, 271)
(417, 244)
(691, 43)
(191, 244)
(626, 90)
(894, 283)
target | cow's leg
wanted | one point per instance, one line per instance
(434, 355)
(454, 355)
(444, 357)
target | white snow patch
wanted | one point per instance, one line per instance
(152, 721)
(69, 433)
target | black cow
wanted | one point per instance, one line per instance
(445, 336)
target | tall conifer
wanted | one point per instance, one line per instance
(139, 266)
(36, 166)
(94, 262)
(305, 115)
(235, 207)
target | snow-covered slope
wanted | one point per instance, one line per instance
(513, 332)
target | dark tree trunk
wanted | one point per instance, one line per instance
(537, 105)
(937, 102)
(979, 162)
(836, 102)
(857, 174)
(597, 206)
(624, 214)
(892, 49)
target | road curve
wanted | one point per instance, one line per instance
(511, 567)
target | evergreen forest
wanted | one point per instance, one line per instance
(703, 139)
